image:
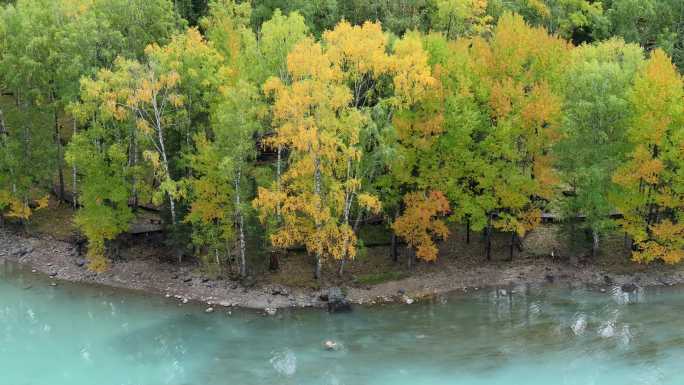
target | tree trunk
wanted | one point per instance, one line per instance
(172, 203)
(511, 246)
(172, 207)
(159, 127)
(241, 225)
(357, 221)
(468, 231)
(58, 143)
(488, 238)
(217, 260)
(3, 128)
(394, 253)
(448, 31)
(317, 192)
(278, 173)
(74, 172)
(274, 262)
(348, 199)
(132, 162)
(411, 258)
(317, 271)
(243, 248)
(595, 243)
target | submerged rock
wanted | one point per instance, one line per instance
(337, 301)
(271, 311)
(330, 345)
(209, 310)
(284, 362)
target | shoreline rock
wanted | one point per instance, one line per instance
(337, 301)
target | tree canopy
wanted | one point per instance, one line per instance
(297, 122)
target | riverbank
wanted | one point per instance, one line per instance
(60, 261)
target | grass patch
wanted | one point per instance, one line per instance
(55, 221)
(378, 278)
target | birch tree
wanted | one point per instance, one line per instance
(316, 120)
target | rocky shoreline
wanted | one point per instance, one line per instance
(60, 261)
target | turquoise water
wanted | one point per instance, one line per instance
(75, 335)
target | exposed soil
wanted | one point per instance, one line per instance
(60, 260)
(371, 279)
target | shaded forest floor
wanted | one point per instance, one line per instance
(551, 253)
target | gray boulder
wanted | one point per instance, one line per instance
(337, 301)
(629, 288)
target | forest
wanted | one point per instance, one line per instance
(268, 125)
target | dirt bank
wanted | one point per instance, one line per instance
(60, 260)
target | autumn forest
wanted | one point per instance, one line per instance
(297, 123)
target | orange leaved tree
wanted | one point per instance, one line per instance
(420, 224)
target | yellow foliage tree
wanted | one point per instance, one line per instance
(459, 18)
(317, 118)
(652, 179)
(13, 207)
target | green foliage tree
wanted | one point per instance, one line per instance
(651, 24)
(139, 23)
(577, 20)
(154, 101)
(48, 47)
(504, 122)
(594, 130)
(398, 16)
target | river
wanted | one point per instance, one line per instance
(84, 335)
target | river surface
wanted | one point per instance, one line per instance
(82, 335)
